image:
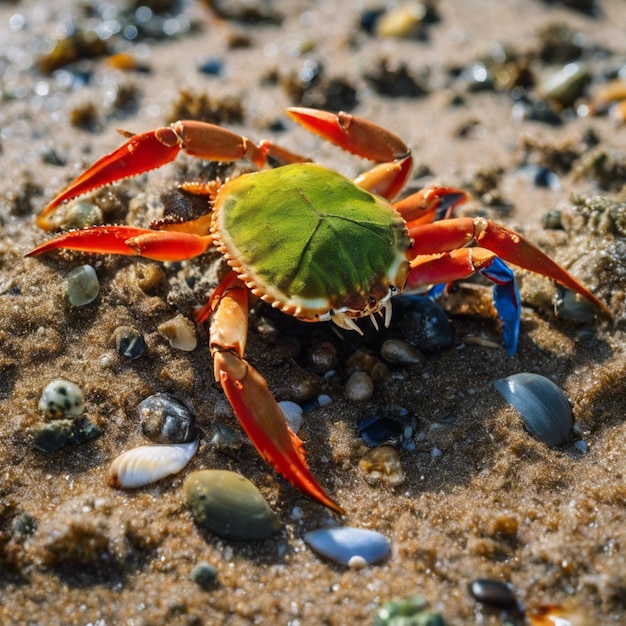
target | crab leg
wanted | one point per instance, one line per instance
(128, 240)
(439, 256)
(365, 139)
(248, 394)
(155, 148)
(429, 205)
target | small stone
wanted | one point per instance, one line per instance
(129, 342)
(165, 419)
(425, 325)
(405, 21)
(81, 215)
(382, 464)
(400, 352)
(293, 414)
(410, 612)
(61, 398)
(60, 433)
(566, 85)
(229, 505)
(82, 285)
(180, 333)
(359, 387)
(323, 357)
(204, 575)
(226, 440)
(493, 592)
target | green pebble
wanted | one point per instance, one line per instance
(229, 505)
(204, 575)
(82, 285)
(407, 612)
(58, 434)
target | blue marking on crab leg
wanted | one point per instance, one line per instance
(506, 299)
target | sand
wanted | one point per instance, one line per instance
(482, 498)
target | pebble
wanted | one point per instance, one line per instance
(204, 575)
(129, 342)
(345, 545)
(81, 215)
(359, 387)
(382, 464)
(493, 592)
(226, 440)
(60, 433)
(544, 407)
(566, 85)
(293, 414)
(405, 21)
(82, 286)
(229, 505)
(323, 357)
(571, 306)
(180, 332)
(400, 352)
(424, 324)
(165, 419)
(147, 464)
(212, 67)
(407, 612)
(62, 398)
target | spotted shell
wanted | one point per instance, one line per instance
(147, 464)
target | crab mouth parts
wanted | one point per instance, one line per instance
(344, 317)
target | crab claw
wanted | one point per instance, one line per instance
(155, 148)
(365, 139)
(139, 154)
(128, 240)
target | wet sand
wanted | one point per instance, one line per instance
(482, 498)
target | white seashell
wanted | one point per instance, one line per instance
(180, 332)
(354, 547)
(147, 464)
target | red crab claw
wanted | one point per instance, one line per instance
(128, 240)
(155, 148)
(365, 139)
(246, 390)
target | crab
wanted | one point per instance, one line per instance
(308, 241)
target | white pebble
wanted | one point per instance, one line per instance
(292, 413)
(82, 285)
(359, 387)
(324, 400)
(62, 398)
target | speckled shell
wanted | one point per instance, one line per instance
(147, 464)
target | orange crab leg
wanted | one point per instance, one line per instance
(365, 139)
(128, 240)
(429, 204)
(246, 390)
(155, 148)
(504, 243)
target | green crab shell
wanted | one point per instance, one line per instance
(310, 242)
